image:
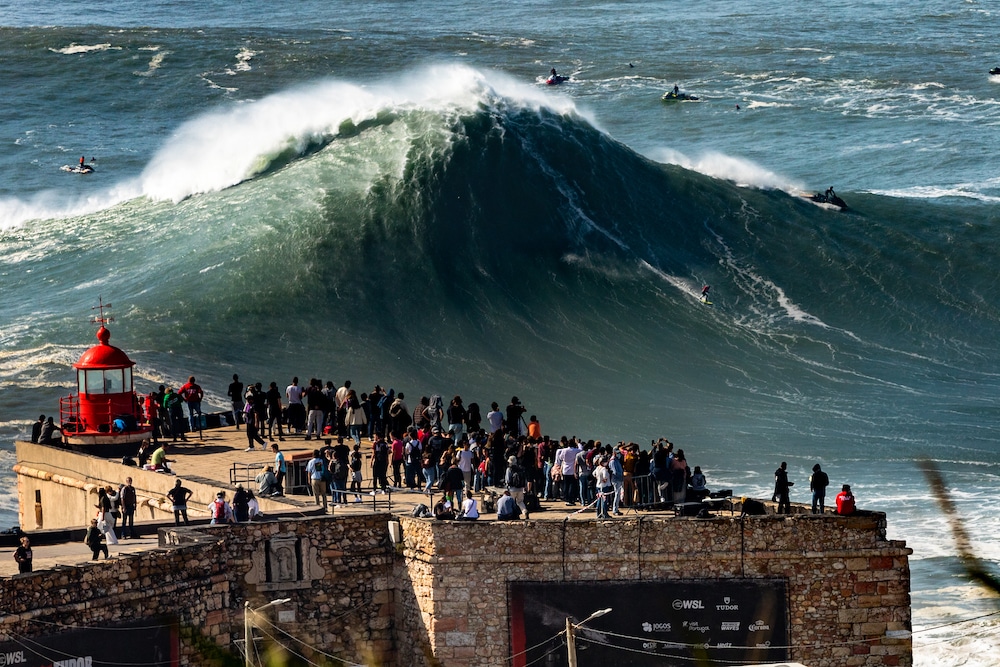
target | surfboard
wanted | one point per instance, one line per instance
(706, 302)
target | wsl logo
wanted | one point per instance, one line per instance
(688, 604)
(12, 658)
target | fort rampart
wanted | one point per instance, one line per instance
(424, 592)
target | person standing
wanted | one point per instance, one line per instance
(534, 429)
(569, 481)
(23, 556)
(353, 416)
(399, 414)
(342, 406)
(95, 540)
(273, 398)
(179, 496)
(818, 482)
(465, 460)
(158, 400)
(104, 519)
(316, 469)
(235, 394)
(398, 459)
(515, 481)
(603, 486)
(456, 418)
(36, 428)
(279, 470)
(514, 416)
(494, 418)
(781, 486)
(616, 474)
(253, 415)
(356, 474)
(192, 394)
(296, 411)
(127, 499)
(174, 405)
(380, 464)
(316, 401)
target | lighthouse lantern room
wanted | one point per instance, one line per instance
(105, 409)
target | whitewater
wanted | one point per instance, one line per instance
(390, 193)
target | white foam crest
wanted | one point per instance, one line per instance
(75, 48)
(154, 63)
(243, 59)
(962, 190)
(223, 148)
(740, 171)
(760, 104)
(52, 204)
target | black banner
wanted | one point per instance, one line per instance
(655, 623)
(145, 644)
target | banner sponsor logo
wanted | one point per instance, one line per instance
(655, 627)
(12, 658)
(758, 626)
(694, 626)
(688, 604)
(730, 626)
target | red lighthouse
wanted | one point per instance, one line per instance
(105, 410)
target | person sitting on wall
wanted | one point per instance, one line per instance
(443, 509)
(507, 509)
(48, 432)
(698, 481)
(845, 501)
(470, 509)
(266, 481)
(159, 460)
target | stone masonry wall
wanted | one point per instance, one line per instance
(440, 597)
(848, 586)
(341, 598)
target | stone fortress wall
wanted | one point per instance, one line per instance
(380, 589)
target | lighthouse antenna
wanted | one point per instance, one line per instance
(102, 319)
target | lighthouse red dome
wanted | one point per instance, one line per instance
(104, 355)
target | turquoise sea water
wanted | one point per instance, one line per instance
(388, 192)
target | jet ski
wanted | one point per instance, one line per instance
(828, 199)
(78, 169)
(995, 71)
(671, 96)
(555, 79)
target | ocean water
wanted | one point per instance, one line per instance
(388, 192)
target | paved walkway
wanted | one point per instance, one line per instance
(211, 458)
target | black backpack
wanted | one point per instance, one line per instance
(516, 477)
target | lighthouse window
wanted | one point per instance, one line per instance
(113, 381)
(105, 382)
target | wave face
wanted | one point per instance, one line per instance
(466, 234)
